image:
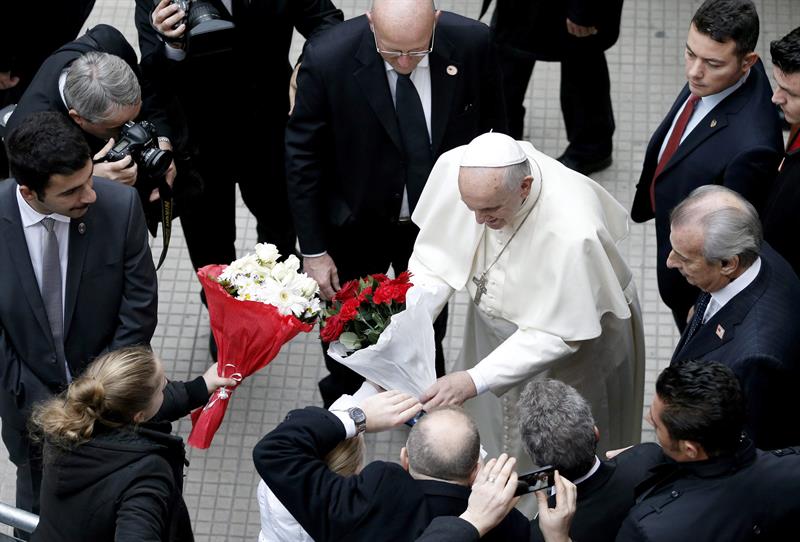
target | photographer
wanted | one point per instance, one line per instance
(94, 80)
(229, 73)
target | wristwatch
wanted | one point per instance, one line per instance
(359, 418)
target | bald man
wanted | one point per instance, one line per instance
(380, 98)
(535, 245)
(385, 501)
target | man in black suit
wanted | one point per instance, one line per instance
(95, 81)
(780, 217)
(575, 33)
(557, 427)
(717, 485)
(722, 129)
(746, 317)
(234, 102)
(386, 501)
(379, 99)
(78, 277)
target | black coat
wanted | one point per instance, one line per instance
(345, 159)
(124, 484)
(756, 335)
(781, 219)
(738, 145)
(538, 28)
(750, 495)
(605, 498)
(383, 502)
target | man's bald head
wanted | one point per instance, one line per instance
(403, 26)
(444, 444)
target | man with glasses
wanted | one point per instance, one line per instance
(380, 97)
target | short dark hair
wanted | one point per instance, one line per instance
(724, 20)
(703, 402)
(452, 463)
(45, 144)
(786, 52)
(557, 427)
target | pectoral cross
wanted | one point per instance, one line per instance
(480, 284)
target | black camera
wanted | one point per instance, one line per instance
(139, 140)
(207, 31)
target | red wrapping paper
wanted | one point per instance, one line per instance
(249, 335)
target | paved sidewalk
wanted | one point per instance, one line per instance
(646, 73)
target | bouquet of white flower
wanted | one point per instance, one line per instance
(255, 305)
(259, 276)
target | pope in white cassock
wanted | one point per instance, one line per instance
(535, 244)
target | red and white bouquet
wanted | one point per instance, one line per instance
(255, 305)
(372, 331)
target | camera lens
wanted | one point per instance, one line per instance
(155, 161)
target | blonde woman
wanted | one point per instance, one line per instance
(112, 470)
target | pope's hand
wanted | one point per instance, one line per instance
(452, 389)
(389, 409)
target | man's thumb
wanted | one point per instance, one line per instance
(102, 152)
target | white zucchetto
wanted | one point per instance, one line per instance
(492, 150)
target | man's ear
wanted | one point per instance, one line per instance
(525, 186)
(692, 450)
(404, 458)
(748, 60)
(139, 417)
(596, 434)
(26, 193)
(475, 470)
(730, 265)
(80, 121)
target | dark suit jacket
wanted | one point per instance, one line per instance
(780, 217)
(111, 297)
(605, 498)
(538, 28)
(745, 496)
(345, 159)
(738, 144)
(383, 502)
(756, 335)
(43, 93)
(238, 98)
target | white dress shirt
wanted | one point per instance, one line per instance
(721, 297)
(703, 107)
(35, 239)
(421, 77)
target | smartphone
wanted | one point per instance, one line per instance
(541, 478)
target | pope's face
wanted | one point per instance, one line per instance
(687, 257)
(711, 66)
(787, 94)
(485, 192)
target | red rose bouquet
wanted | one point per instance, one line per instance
(372, 331)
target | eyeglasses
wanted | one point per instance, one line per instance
(398, 54)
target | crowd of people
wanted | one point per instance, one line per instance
(401, 128)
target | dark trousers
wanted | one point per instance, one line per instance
(209, 219)
(388, 245)
(27, 456)
(585, 100)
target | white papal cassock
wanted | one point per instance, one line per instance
(560, 301)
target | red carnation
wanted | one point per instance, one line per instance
(349, 290)
(349, 310)
(332, 329)
(362, 296)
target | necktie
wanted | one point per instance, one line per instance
(673, 143)
(697, 319)
(51, 287)
(414, 135)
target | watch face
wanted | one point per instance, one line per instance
(357, 415)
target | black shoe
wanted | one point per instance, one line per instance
(585, 166)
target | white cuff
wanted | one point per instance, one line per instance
(347, 421)
(173, 53)
(480, 383)
(323, 253)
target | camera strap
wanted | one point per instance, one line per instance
(167, 207)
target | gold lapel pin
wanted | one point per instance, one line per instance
(452, 70)
(720, 331)
(713, 122)
(81, 228)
